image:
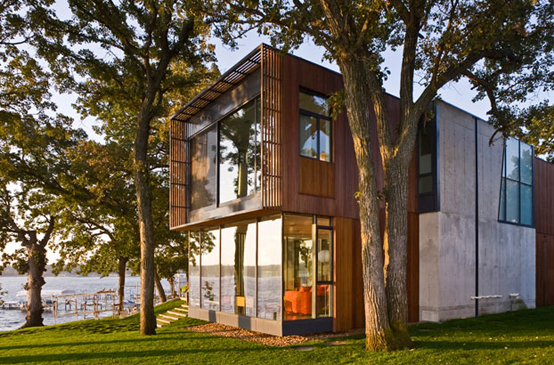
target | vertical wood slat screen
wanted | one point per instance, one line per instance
(178, 171)
(271, 128)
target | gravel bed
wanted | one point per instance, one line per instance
(218, 329)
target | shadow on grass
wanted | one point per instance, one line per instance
(119, 357)
(474, 345)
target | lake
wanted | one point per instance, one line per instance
(13, 319)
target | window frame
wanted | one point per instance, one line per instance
(318, 118)
(503, 195)
(256, 99)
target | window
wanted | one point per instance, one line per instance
(203, 168)
(315, 127)
(225, 159)
(427, 181)
(238, 268)
(307, 268)
(239, 153)
(269, 268)
(516, 188)
(210, 270)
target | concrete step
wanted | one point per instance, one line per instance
(163, 320)
(181, 309)
(177, 313)
(168, 317)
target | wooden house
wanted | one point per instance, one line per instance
(264, 180)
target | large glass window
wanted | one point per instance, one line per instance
(194, 269)
(239, 153)
(269, 268)
(203, 169)
(210, 270)
(308, 271)
(516, 188)
(238, 268)
(315, 127)
(299, 267)
(256, 267)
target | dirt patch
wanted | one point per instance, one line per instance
(218, 329)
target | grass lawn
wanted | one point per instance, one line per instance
(519, 337)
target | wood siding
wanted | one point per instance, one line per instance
(317, 177)
(178, 168)
(271, 128)
(349, 299)
(299, 193)
(412, 281)
(544, 223)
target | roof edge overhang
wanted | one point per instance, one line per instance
(232, 77)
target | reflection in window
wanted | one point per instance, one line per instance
(210, 270)
(239, 153)
(269, 268)
(315, 127)
(203, 168)
(194, 269)
(516, 188)
(238, 268)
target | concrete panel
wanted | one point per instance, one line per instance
(448, 238)
(274, 328)
(428, 266)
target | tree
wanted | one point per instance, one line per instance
(500, 46)
(139, 44)
(534, 125)
(100, 230)
(31, 258)
(1, 294)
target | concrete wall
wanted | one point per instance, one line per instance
(447, 238)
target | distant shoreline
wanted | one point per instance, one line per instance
(11, 272)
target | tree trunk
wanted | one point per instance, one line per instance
(35, 280)
(378, 331)
(144, 203)
(171, 281)
(160, 288)
(396, 250)
(121, 289)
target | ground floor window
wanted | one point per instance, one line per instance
(307, 267)
(276, 267)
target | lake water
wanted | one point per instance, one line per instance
(13, 319)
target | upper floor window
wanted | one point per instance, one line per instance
(225, 159)
(516, 190)
(427, 169)
(315, 127)
(239, 153)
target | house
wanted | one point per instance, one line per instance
(264, 180)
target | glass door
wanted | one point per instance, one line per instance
(323, 293)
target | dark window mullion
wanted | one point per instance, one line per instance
(318, 131)
(519, 182)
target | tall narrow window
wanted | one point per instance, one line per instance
(239, 153)
(238, 265)
(308, 267)
(316, 129)
(203, 168)
(516, 188)
(427, 177)
(210, 270)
